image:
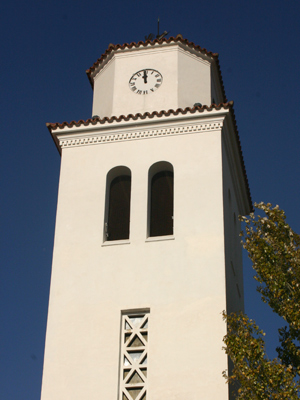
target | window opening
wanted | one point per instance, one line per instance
(118, 213)
(161, 209)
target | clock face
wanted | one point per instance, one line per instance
(145, 81)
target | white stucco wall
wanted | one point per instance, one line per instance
(193, 80)
(185, 280)
(186, 80)
(232, 229)
(103, 95)
(181, 280)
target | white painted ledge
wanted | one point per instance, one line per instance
(115, 242)
(160, 238)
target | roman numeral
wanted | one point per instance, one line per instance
(133, 88)
(139, 92)
(145, 92)
(157, 85)
(156, 75)
(158, 80)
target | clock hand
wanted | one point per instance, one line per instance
(145, 76)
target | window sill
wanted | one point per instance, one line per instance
(160, 238)
(115, 242)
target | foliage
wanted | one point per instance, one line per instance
(274, 250)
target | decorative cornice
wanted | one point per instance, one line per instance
(137, 134)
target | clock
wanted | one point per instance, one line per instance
(145, 81)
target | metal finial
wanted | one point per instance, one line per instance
(158, 36)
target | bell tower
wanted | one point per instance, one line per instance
(146, 252)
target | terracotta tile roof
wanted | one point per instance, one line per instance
(95, 120)
(177, 39)
(227, 106)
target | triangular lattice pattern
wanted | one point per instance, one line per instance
(134, 357)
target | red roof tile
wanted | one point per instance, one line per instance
(95, 120)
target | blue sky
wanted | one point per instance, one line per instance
(46, 46)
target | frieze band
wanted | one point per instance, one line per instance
(144, 134)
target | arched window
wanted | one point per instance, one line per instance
(161, 195)
(117, 215)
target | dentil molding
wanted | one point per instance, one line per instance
(82, 139)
